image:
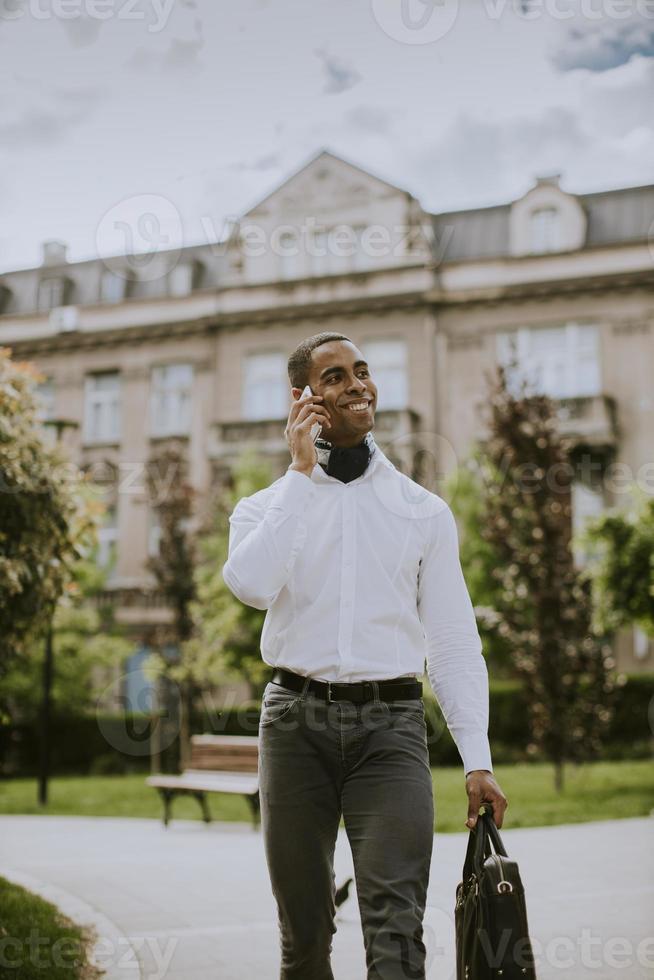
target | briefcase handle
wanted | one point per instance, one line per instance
(480, 839)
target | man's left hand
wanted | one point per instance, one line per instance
(481, 788)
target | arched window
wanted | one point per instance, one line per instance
(544, 230)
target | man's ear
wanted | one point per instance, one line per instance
(296, 392)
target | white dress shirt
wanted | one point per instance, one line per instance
(362, 581)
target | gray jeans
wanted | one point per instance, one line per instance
(369, 763)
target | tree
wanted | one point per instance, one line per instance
(621, 568)
(227, 634)
(45, 521)
(172, 497)
(544, 604)
(465, 491)
(85, 639)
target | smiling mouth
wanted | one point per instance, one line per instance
(358, 408)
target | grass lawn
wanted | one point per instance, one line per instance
(38, 941)
(596, 791)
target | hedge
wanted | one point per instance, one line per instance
(116, 743)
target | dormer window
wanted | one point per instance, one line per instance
(112, 287)
(5, 296)
(546, 219)
(183, 278)
(544, 230)
(52, 293)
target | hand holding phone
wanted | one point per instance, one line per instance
(316, 428)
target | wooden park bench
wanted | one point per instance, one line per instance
(219, 764)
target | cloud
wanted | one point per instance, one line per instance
(340, 76)
(269, 161)
(82, 30)
(602, 45)
(40, 124)
(369, 118)
(180, 55)
(619, 101)
(475, 162)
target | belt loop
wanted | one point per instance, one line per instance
(375, 687)
(305, 688)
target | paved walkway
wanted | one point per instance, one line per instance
(195, 901)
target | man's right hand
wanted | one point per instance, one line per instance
(304, 412)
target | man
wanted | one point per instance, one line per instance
(359, 570)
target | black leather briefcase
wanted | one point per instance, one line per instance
(490, 915)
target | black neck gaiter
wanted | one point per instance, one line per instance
(345, 464)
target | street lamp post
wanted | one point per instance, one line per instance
(59, 425)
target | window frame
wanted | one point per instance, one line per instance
(177, 422)
(91, 398)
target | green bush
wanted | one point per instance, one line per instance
(101, 744)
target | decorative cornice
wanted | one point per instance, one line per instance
(549, 289)
(145, 334)
(381, 305)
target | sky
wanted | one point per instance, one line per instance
(196, 109)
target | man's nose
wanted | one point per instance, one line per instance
(356, 384)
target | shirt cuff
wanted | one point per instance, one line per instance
(475, 752)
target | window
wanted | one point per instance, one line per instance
(544, 230)
(338, 250)
(112, 287)
(102, 407)
(181, 279)
(5, 297)
(562, 362)
(289, 254)
(266, 393)
(108, 540)
(51, 293)
(170, 402)
(387, 360)
(360, 258)
(45, 400)
(318, 256)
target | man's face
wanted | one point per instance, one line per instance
(340, 374)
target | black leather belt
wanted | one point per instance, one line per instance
(395, 689)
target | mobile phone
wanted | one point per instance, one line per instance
(316, 428)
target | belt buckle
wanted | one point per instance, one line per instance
(330, 700)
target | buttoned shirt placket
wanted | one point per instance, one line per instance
(348, 576)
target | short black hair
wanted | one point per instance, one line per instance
(299, 363)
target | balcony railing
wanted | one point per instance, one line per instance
(267, 435)
(589, 421)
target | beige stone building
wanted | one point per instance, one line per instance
(189, 346)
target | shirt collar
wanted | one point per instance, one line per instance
(377, 459)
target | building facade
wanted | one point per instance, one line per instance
(188, 347)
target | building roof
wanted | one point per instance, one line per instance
(614, 217)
